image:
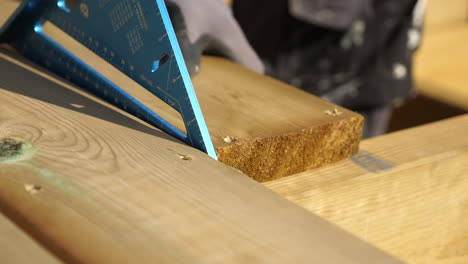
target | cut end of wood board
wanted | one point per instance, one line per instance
(269, 129)
(270, 158)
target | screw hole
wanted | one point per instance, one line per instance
(159, 62)
(67, 5)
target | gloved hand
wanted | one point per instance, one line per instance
(209, 26)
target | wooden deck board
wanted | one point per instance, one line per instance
(405, 192)
(441, 65)
(112, 190)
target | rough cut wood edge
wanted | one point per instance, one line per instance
(114, 191)
(279, 129)
(415, 203)
(270, 158)
(16, 247)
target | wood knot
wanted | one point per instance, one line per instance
(12, 149)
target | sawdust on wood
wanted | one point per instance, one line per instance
(230, 139)
(334, 112)
(32, 188)
(182, 156)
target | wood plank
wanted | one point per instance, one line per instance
(263, 127)
(18, 248)
(8, 7)
(111, 190)
(280, 130)
(441, 65)
(442, 13)
(405, 192)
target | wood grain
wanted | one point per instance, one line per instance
(116, 191)
(16, 247)
(263, 127)
(406, 192)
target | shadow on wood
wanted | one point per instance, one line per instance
(51, 90)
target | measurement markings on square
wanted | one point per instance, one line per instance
(135, 36)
